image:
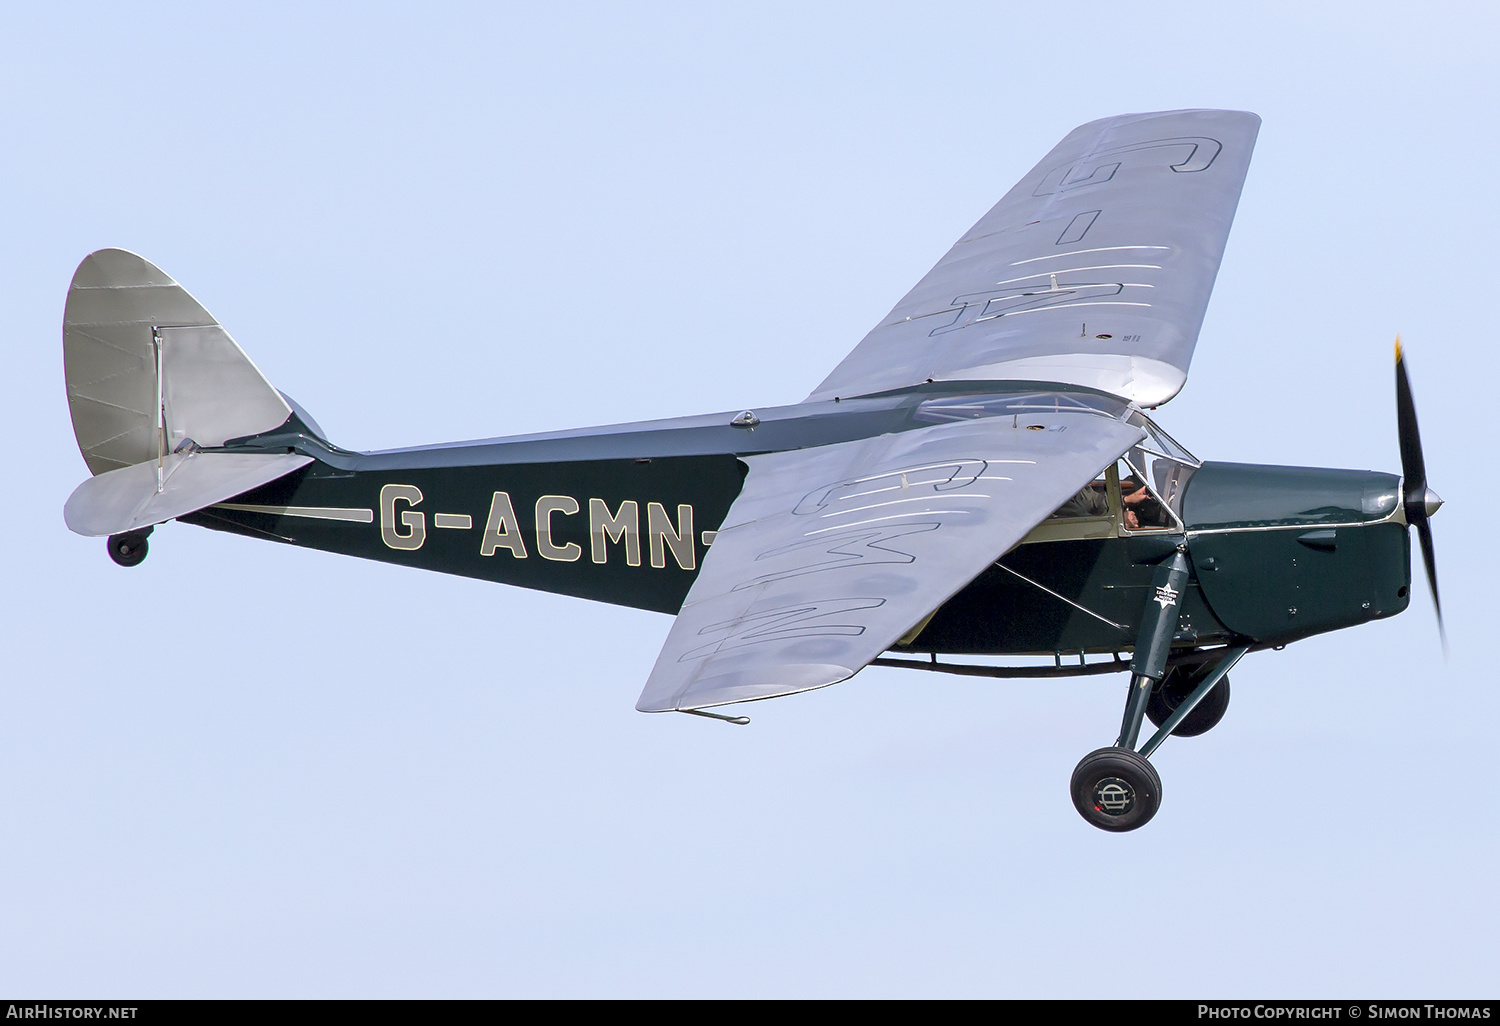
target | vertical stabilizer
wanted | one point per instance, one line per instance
(153, 380)
(148, 368)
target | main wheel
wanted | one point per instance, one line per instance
(1175, 687)
(1116, 789)
(128, 549)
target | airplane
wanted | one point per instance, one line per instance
(980, 476)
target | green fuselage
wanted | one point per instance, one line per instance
(626, 515)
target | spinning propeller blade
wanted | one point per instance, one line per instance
(1417, 500)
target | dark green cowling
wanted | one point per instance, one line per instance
(1281, 553)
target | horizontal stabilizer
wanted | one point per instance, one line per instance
(150, 493)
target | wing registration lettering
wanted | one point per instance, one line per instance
(1077, 228)
(850, 547)
(1193, 154)
(920, 479)
(986, 306)
(785, 623)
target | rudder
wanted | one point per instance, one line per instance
(148, 367)
(152, 379)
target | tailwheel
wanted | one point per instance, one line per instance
(130, 548)
(1175, 688)
(1116, 789)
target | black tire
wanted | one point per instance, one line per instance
(1174, 689)
(128, 549)
(1116, 789)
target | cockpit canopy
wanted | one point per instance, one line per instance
(1142, 492)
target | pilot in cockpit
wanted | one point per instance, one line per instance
(1092, 500)
(1141, 510)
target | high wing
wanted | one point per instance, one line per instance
(831, 554)
(1094, 270)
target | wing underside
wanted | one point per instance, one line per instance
(831, 554)
(1094, 270)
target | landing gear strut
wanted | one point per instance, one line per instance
(1116, 788)
(130, 548)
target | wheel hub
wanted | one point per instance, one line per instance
(1113, 796)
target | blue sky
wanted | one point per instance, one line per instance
(243, 770)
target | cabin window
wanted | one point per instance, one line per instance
(1159, 442)
(1093, 501)
(1142, 492)
(1151, 488)
(1141, 508)
(1161, 468)
(1129, 495)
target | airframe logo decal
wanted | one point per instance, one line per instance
(1166, 595)
(1114, 796)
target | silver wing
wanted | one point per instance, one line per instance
(1095, 270)
(831, 554)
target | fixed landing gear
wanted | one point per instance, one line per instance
(130, 548)
(1179, 683)
(1116, 788)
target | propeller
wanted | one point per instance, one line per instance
(1417, 500)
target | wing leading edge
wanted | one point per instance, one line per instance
(831, 554)
(1094, 270)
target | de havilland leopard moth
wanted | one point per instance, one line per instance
(978, 477)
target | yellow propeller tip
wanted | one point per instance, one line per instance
(1398, 348)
